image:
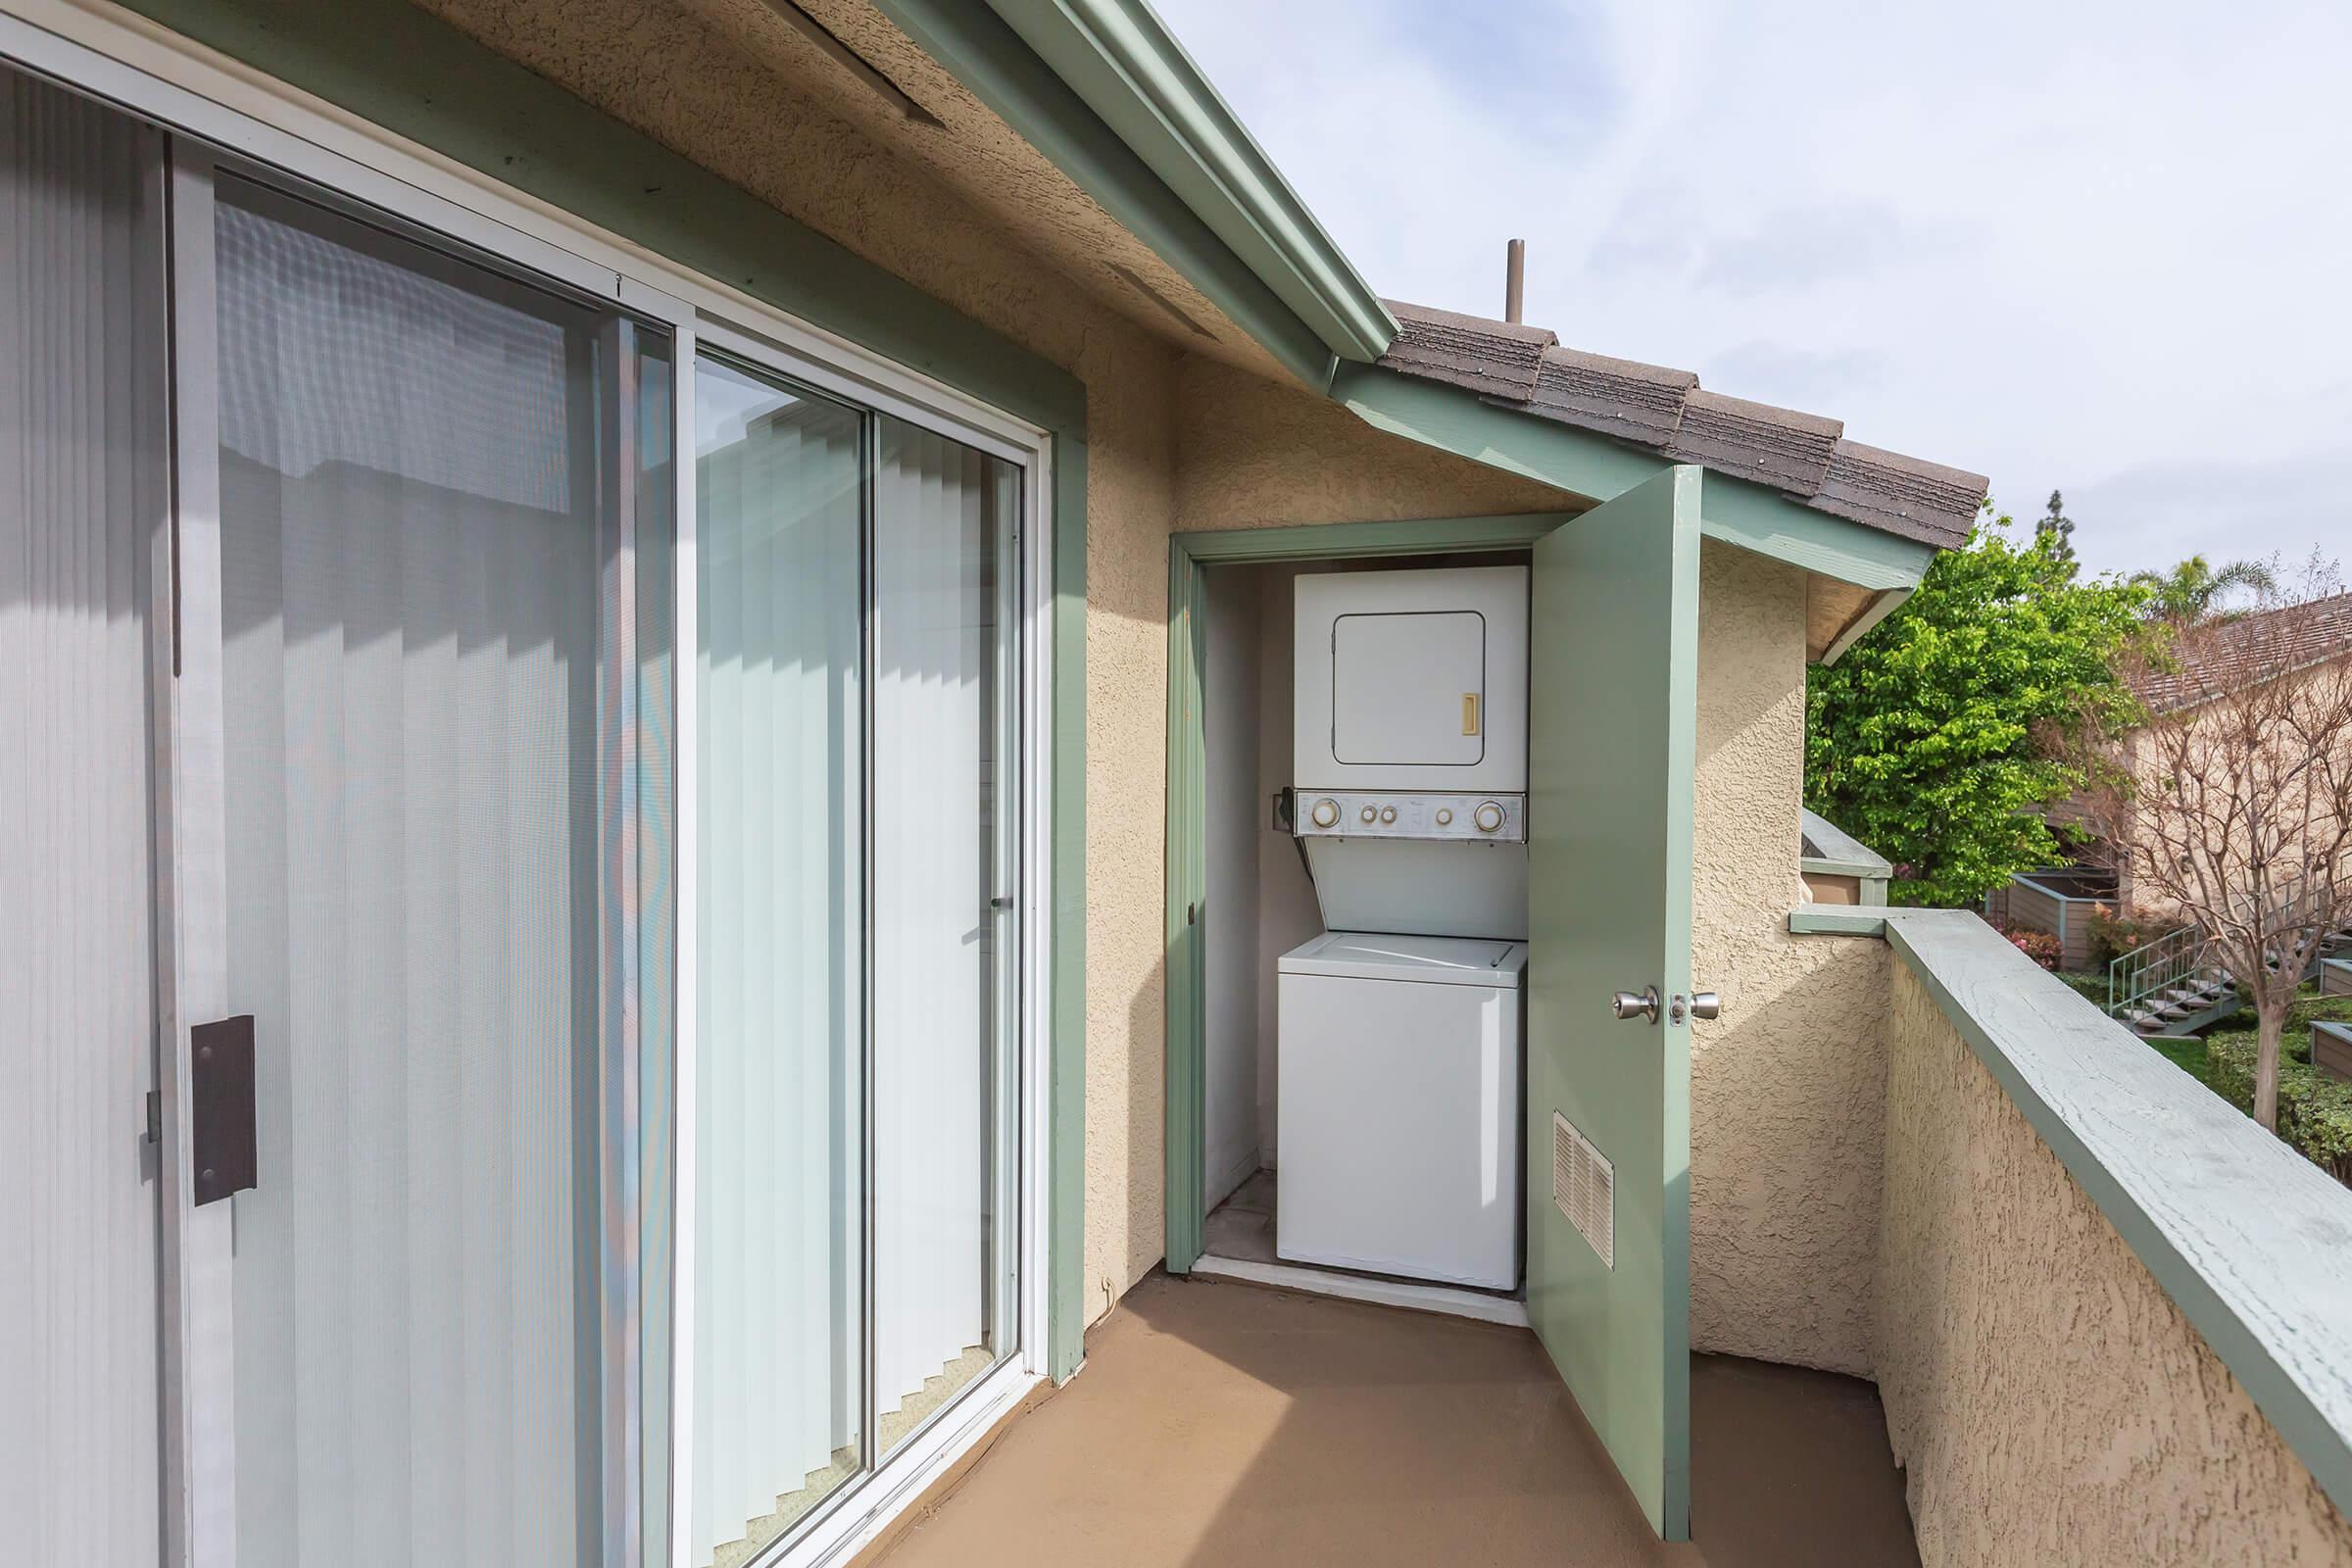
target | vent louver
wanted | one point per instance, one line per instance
(1584, 1184)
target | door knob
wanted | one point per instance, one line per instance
(1630, 1005)
(1702, 1004)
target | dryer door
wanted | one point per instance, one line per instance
(1614, 681)
(1411, 680)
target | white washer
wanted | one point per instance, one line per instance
(1400, 1094)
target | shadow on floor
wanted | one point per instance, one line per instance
(1220, 1424)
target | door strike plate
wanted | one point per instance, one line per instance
(221, 1145)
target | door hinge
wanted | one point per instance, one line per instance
(1192, 914)
(155, 1115)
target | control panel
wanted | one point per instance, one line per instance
(1391, 814)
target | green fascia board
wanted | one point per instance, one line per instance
(1749, 516)
(421, 78)
(982, 51)
(416, 76)
(2255, 1251)
(1140, 82)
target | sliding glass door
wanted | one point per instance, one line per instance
(538, 773)
(779, 1286)
(855, 1169)
(944, 877)
(427, 559)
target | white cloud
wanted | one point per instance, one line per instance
(2095, 246)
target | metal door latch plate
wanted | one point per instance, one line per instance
(223, 1147)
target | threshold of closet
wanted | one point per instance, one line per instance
(1446, 1300)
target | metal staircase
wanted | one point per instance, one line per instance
(2172, 986)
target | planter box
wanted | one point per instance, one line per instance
(2331, 1050)
(2335, 977)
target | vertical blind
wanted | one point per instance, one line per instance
(779, 1151)
(943, 528)
(409, 488)
(81, 495)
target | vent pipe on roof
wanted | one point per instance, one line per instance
(1514, 281)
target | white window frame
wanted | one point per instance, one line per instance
(188, 90)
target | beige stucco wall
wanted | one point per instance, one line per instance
(1253, 453)
(2047, 1400)
(1786, 1086)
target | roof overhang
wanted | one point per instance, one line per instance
(1103, 90)
(1886, 568)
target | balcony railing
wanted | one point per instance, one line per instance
(2114, 1315)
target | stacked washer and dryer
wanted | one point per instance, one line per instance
(1402, 1028)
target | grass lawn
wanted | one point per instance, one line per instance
(2308, 1007)
(2187, 1054)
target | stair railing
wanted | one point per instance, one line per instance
(2155, 966)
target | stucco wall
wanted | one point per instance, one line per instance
(1786, 1086)
(1254, 452)
(2048, 1401)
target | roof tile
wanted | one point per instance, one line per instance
(1779, 447)
(1496, 357)
(1801, 455)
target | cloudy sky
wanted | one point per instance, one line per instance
(2103, 248)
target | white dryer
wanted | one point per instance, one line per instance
(1409, 763)
(1400, 1084)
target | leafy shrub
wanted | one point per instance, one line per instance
(2042, 947)
(2113, 936)
(2315, 1114)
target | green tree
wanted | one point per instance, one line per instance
(1939, 738)
(2055, 524)
(2193, 591)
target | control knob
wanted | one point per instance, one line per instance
(1488, 816)
(1367, 814)
(1326, 813)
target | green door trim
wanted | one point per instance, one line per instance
(1185, 912)
(420, 77)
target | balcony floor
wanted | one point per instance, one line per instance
(1220, 1424)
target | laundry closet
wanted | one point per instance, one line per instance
(1365, 740)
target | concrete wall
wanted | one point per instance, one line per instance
(1786, 1086)
(2046, 1397)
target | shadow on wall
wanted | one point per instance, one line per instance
(1144, 1207)
(1787, 1120)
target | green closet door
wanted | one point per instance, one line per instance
(1614, 650)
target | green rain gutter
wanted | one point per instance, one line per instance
(1112, 100)
(1131, 72)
